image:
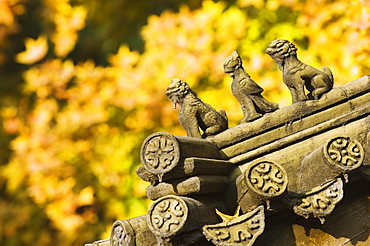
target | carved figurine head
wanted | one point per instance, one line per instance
(281, 49)
(176, 91)
(232, 63)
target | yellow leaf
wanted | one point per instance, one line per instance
(227, 218)
(124, 57)
(64, 42)
(86, 196)
(35, 50)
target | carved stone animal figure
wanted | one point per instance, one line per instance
(195, 114)
(246, 91)
(297, 75)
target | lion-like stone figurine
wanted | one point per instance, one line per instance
(297, 75)
(246, 91)
(195, 114)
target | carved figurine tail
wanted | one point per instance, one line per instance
(263, 105)
(327, 71)
(223, 114)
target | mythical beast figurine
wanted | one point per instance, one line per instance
(246, 91)
(297, 75)
(194, 113)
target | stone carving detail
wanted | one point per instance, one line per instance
(160, 153)
(339, 155)
(344, 153)
(320, 201)
(122, 234)
(195, 114)
(246, 91)
(266, 179)
(297, 75)
(242, 230)
(131, 232)
(196, 180)
(167, 216)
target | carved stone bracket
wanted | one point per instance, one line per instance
(338, 156)
(171, 215)
(242, 230)
(131, 232)
(266, 179)
(320, 201)
(167, 216)
(122, 234)
(344, 154)
(160, 153)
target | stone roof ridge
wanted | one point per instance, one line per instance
(293, 119)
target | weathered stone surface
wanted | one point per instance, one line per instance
(265, 179)
(339, 155)
(147, 176)
(246, 91)
(198, 166)
(162, 152)
(242, 230)
(132, 232)
(298, 76)
(290, 155)
(195, 115)
(295, 118)
(318, 202)
(239, 195)
(197, 185)
(306, 161)
(192, 166)
(347, 225)
(173, 215)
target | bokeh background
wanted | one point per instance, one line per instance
(82, 83)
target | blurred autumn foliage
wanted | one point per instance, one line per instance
(83, 82)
